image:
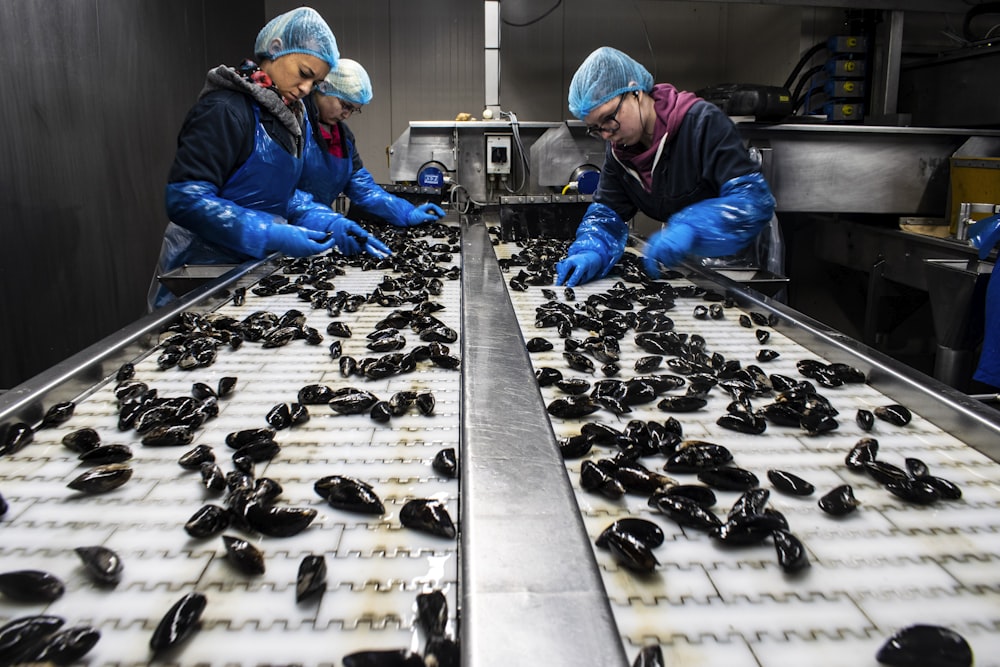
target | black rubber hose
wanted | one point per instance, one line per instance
(813, 50)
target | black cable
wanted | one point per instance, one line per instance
(535, 20)
(804, 80)
(813, 50)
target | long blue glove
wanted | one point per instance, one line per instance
(296, 241)
(668, 247)
(351, 238)
(578, 268)
(985, 234)
(424, 213)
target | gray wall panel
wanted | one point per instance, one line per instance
(87, 141)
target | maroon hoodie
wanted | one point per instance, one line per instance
(670, 105)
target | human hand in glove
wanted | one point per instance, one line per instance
(296, 241)
(424, 213)
(578, 268)
(668, 247)
(351, 238)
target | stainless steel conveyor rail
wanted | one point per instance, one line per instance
(530, 586)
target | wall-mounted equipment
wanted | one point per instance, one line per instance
(498, 154)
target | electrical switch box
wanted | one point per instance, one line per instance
(498, 154)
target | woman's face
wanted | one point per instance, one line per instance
(332, 109)
(295, 74)
(617, 120)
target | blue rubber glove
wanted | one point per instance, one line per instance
(296, 241)
(578, 268)
(985, 234)
(351, 238)
(668, 247)
(424, 213)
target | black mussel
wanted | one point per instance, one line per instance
(279, 417)
(3, 505)
(574, 386)
(13, 437)
(693, 456)
(702, 495)
(547, 376)
(31, 586)
(226, 386)
(58, 413)
(750, 529)
(917, 491)
(864, 419)
(594, 478)
(178, 623)
(168, 436)
(311, 578)
(81, 440)
(315, 394)
(716, 312)
(338, 329)
(444, 462)
(538, 344)
(916, 468)
(432, 612)
(381, 412)
(244, 556)
(632, 552)
(728, 478)
(350, 494)
(280, 336)
(925, 646)
(425, 402)
(265, 490)
(885, 473)
(449, 361)
(240, 439)
(575, 447)
(948, 490)
(751, 502)
(792, 556)
(700, 312)
(634, 476)
(839, 501)
(299, 413)
(278, 521)
(125, 372)
(351, 401)
(649, 656)
(102, 564)
(646, 531)
(429, 516)
(19, 634)
(572, 407)
(864, 451)
(743, 423)
(782, 414)
(103, 454)
(766, 354)
(762, 336)
(685, 511)
(102, 478)
(348, 366)
(746, 322)
(63, 648)
(648, 364)
(200, 391)
(336, 349)
(579, 362)
(791, 484)
(192, 459)
(385, 658)
(896, 415)
(682, 403)
(212, 477)
(208, 521)
(815, 423)
(847, 374)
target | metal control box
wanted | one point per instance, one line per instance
(498, 155)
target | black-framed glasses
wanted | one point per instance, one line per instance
(596, 130)
(351, 109)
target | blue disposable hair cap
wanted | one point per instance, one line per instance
(606, 73)
(301, 30)
(348, 81)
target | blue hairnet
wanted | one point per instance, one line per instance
(605, 73)
(301, 30)
(349, 81)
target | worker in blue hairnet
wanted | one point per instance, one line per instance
(231, 192)
(670, 154)
(332, 163)
(985, 236)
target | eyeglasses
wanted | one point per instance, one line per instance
(350, 108)
(597, 130)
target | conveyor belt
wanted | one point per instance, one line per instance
(889, 565)
(376, 566)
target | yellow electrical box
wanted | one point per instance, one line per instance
(974, 180)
